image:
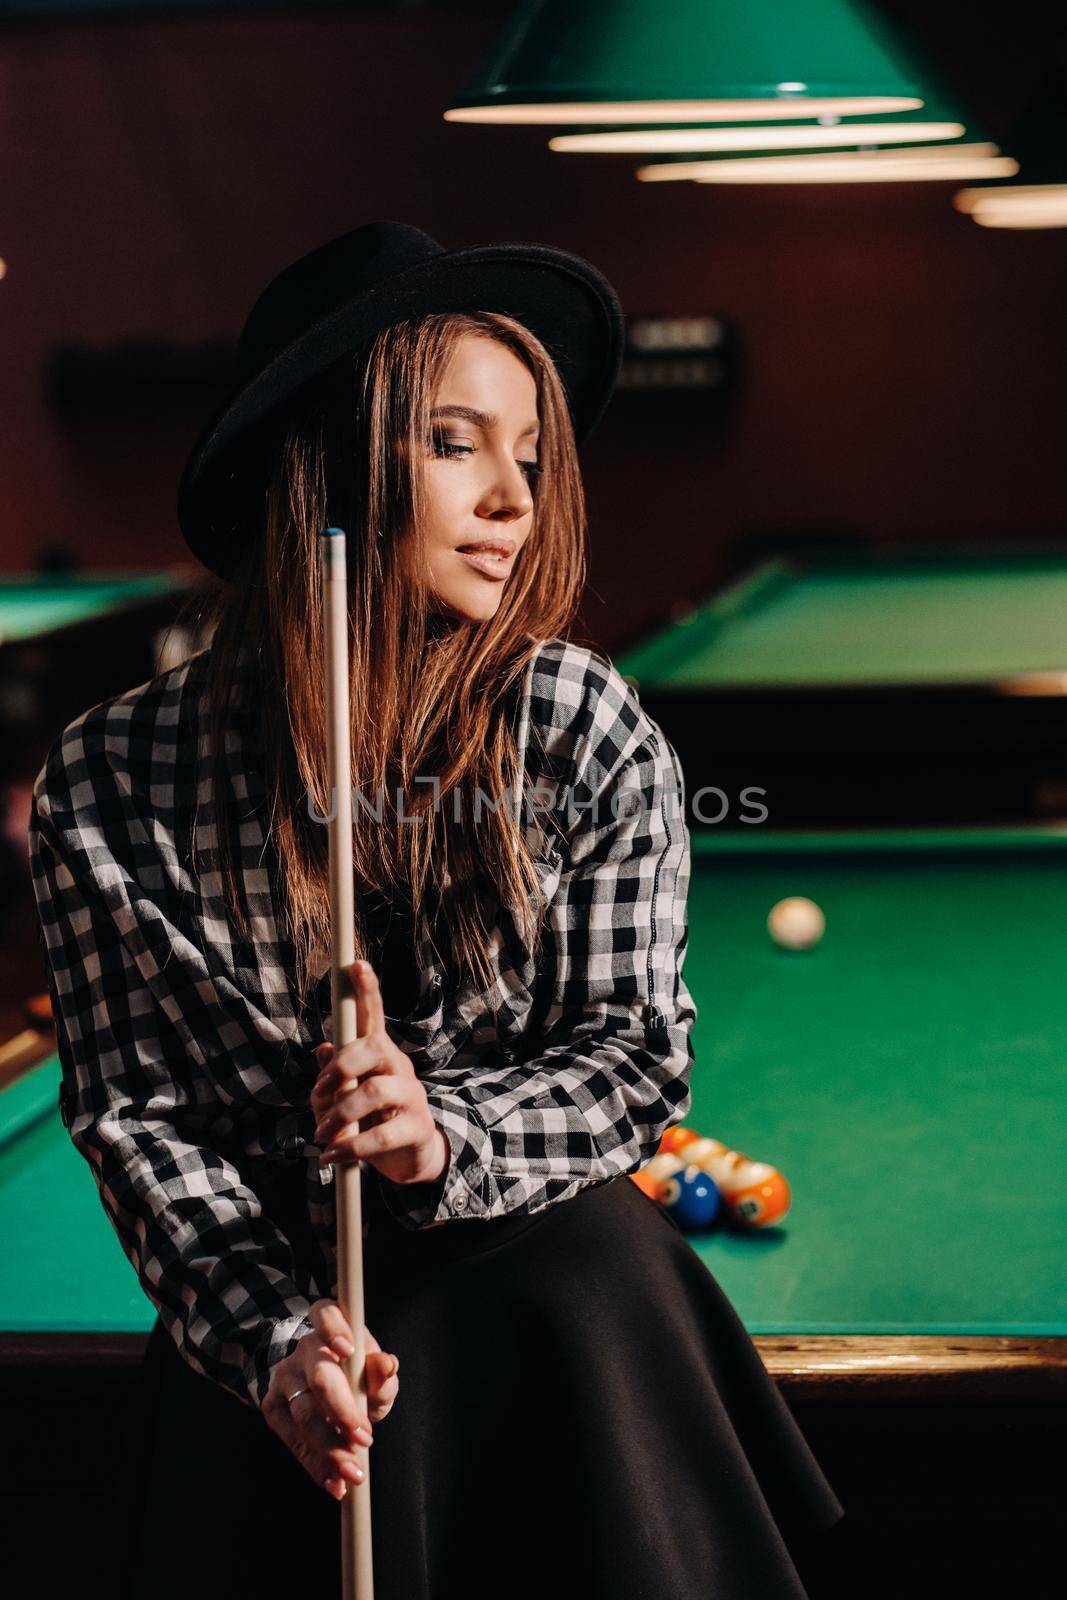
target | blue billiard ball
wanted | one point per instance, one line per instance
(691, 1197)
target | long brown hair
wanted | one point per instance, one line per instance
(430, 697)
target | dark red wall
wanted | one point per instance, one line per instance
(903, 367)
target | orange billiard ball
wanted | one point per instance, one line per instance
(647, 1182)
(761, 1197)
(675, 1139)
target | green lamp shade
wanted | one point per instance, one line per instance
(561, 61)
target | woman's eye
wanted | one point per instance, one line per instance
(452, 451)
(447, 448)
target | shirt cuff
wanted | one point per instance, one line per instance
(283, 1339)
(467, 1188)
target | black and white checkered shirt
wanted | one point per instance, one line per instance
(187, 1064)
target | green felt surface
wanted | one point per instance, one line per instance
(62, 1269)
(907, 1075)
(31, 605)
(925, 622)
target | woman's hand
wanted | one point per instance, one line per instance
(373, 1083)
(324, 1424)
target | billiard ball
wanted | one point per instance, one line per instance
(648, 1185)
(663, 1166)
(691, 1197)
(753, 1193)
(675, 1139)
(761, 1198)
(796, 923)
(701, 1152)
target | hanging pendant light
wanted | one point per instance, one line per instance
(929, 145)
(747, 136)
(855, 151)
(912, 164)
(581, 61)
(938, 119)
(1018, 205)
(1039, 139)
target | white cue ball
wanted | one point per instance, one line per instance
(796, 923)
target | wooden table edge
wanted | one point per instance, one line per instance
(805, 1366)
(899, 1366)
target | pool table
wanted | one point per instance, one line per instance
(907, 1076)
(985, 614)
(67, 641)
(885, 691)
(901, 722)
(35, 605)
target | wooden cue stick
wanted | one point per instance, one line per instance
(357, 1575)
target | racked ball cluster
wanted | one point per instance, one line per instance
(699, 1180)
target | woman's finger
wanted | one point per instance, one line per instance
(325, 1076)
(383, 1377)
(367, 1062)
(328, 1454)
(370, 1010)
(330, 1322)
(322, 1095)
(282, 1419)
(321, 1098)
(353, 1061)
(351, 1143)
(378, 1092)
(335, 1398)
(383, 1384)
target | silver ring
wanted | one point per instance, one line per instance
(296, 1392)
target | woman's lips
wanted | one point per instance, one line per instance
(495, 567)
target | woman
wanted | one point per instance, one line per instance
(579, 1405)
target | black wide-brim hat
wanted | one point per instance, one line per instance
(342, 294)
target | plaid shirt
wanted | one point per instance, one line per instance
(187, 1063)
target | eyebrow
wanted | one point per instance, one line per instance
(482, 419)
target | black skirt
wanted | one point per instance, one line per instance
(581, 1413)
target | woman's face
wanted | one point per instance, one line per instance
(480, 493)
